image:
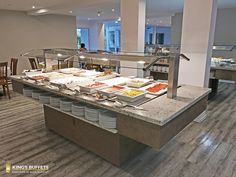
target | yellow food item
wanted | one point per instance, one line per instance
(132, 93)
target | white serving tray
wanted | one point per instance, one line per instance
(129, 99)
(153, 84)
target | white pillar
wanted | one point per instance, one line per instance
(101, 36)
(198, 29)
(133, 17)
(154, 34)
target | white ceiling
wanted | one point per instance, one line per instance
(85, 9)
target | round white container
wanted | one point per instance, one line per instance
(65, 105)
(78, 109)
(44, 98)
(27, 91)
(55, 101)
(91, 113)
(107, 119)
(36, 94)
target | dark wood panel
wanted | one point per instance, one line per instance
(111, 146)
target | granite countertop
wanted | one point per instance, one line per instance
(158, 111)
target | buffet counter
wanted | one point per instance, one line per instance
(152, 123)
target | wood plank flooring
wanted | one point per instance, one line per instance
(206, 149)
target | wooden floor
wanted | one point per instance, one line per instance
(206, 149)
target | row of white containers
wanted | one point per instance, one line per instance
(106, 119)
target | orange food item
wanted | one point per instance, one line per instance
(157, 88)
(97, 84)
(39, 77)
(114, 88)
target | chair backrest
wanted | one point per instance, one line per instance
(13, 66)
(3, 71)
(41, 61)
(70, 63)
(33, 63)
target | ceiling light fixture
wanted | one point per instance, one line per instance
(119, 19)
(33, 7)
(99, 14)
(113, 10)
(41, 11)
(71, 11)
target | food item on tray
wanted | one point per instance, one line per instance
(113, 89)
(132, 93)
(39, 77)
(116, 81)
(96, 84)
(105, 73)
(137, 82)
(157, 87)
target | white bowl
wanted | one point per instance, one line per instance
(65, 105)
(91, 114)
(44, 98)
(27, 91)
(78, 109)
(55, 101)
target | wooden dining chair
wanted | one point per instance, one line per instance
(13, 69)
(33, 63)
(70, 63)
(41, 61)
(13, 66)
(4, 79)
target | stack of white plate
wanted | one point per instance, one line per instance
(27, 91)
(65, 105)
(36, 94)
(55, 101)
(44, 98)
(78, 109)
(107, 119)
(91, 113)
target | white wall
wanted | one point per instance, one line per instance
(96, 33)
(20, 32)
(225, 32)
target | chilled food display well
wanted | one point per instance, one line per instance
(75, 81)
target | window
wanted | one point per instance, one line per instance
(112, 37)
(149, 34)
(83, 37)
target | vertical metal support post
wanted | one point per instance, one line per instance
(173, 76)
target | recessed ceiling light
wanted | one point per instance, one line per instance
(71, 11)
(113, 10)
(99, 14)
(33, 7)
